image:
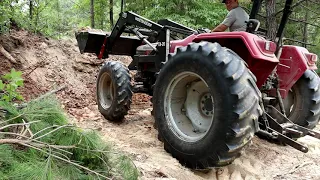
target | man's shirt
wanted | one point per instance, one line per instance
(236, 19)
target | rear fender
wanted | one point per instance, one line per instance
(294, 61)
(257, 52)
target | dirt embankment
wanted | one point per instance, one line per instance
(48, 64)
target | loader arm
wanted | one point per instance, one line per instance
(129, 18)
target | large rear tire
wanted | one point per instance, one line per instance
(206, 105)
(302, 104)
(114, 91)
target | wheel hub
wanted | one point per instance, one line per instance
(189, 107)
(206, 105)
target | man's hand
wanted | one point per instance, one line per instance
(220, 28)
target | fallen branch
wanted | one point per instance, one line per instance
(294, 169)
(18, 124)
(23, 130)
(26, 130)
(13, 141)
(298, 167)
(14, 134)
(36, 66)
(21, 106)
(39, 64)
(40, 143)
(28, 143)
(7, 54)
(52, 131)
(50, 93)
(43, 130)
(65, 160)
(66, 157)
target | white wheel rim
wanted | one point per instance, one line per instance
(106, 91)
(189, 107)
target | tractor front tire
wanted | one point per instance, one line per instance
(114, 93)
(206, 105)
(302, 104)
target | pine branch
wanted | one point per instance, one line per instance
(44, 130)
(65, 160)
(40, 143)
(18, 124)
(43, 96)
(50, 132)
(90, 150)
(27, 130)
(11, 119)
(51, 92)
(66, 157)
(13, 141)
(14, 134)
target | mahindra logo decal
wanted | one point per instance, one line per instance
(143, 21)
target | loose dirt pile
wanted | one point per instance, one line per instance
(48, 64)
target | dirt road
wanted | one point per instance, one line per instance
(48, 64)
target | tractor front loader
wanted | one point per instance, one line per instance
(212, 92)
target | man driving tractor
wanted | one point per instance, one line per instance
(236, 18)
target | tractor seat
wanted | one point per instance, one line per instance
(252, 25)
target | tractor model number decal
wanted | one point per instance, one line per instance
(143, 21)
(161, 44)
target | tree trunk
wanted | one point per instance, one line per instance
(30, 9)
(305, 30)
(111, 13)
(271, 22)
(59, 18)
(92, 13)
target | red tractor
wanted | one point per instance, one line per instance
(212, 92)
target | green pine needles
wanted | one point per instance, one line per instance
(36, 142)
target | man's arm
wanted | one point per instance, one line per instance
(227, 22)
(220, 28)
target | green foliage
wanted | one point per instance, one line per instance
(192, 13)
(5, 15)
(57, 18)
(124, 165)
(12, 81)
(89, 150)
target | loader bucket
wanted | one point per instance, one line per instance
(90, 41)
